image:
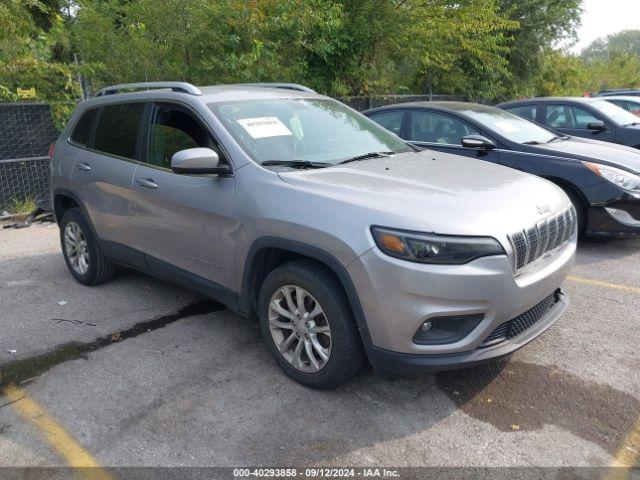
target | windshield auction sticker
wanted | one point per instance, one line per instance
(263, 127)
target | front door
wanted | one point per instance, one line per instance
(435, 130)
(184, 223)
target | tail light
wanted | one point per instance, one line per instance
(52, 149)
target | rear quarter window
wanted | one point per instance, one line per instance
(82, 130)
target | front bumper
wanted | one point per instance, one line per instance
(412, 364)
(617, 219)
(398, 297)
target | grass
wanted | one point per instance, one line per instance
(23, 206)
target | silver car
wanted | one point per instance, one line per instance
(345, 242)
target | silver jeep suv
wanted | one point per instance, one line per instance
(344, 241)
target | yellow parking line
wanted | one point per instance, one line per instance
(627, 456)
(599, 283)
(56, 435)
(629, 451)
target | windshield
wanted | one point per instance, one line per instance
(308, 130)
(511, 126)
(619, 115)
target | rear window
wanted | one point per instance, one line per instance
(82, 129)
(117, 130)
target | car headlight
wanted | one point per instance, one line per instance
(431, 248)
(621, 178)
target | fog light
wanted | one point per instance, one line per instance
(441, 330)
(623, 217)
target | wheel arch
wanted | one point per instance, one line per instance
(64, 199)
(267, 253)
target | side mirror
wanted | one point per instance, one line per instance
(478, 142)
(598, 126)
(193, 161)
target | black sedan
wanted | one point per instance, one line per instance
(601, 179)
(594, 118)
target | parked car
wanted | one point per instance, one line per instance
(630, 104)
(344, 241)
(594, 118)
(621, 91)
(601, 179)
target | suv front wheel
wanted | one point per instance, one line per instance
(81, 250)
(308, 325)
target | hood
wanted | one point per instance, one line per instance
(595, 151)
(436, 192)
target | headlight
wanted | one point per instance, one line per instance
(429, 248)
(621, 178)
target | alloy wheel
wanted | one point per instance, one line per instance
(75, 245)
(299, 328)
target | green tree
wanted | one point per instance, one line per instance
(619, 44)
(542, 24)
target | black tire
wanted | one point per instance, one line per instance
(347, 357)
(580, 210)
(99, 270)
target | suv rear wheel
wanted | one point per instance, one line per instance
(308, 325)
(81, 251)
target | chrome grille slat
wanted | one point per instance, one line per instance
(532, 243)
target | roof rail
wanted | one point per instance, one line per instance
(284, 86)
(175, 86)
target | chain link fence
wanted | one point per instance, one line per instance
(26, 131)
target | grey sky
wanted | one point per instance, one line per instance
(604, 17)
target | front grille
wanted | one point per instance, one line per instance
(534, 242)
(519, 324)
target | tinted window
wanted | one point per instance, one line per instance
(174, 128)
(117, 130)
(526, 111)
(391, 120)
(566, 116)
(436, 127)
(82, 129)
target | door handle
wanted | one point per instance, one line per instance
(147, 183)
(85, 167)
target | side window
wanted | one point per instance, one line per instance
(526, 111)
(174, 128)
(582, 117)
(434, 127)
(117, 130)
(391, 120)
(558, 116)
(566, 116)
(82, 130)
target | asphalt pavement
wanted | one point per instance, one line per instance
(138, 372)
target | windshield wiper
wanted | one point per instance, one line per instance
(559, 137)
(532, 142)
(366, 156)
(296, 163)
(632, 124)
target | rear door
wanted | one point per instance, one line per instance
(573, 120)
(435, 130)
(103, 173)
(185, 223)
